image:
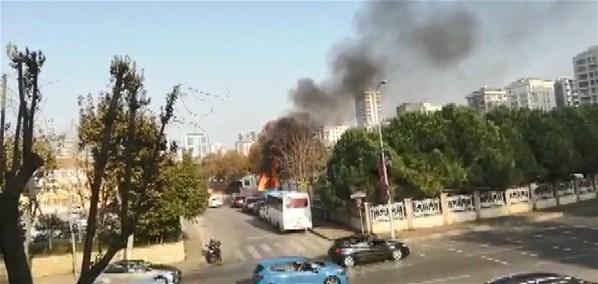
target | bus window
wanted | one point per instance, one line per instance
(297, 203)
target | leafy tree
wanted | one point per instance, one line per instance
(185, 195)
(352, 166)
(230, 166)
(553, 148)
(51, 224)
(127, 141)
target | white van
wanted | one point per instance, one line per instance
(215, 201)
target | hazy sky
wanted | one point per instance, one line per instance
(254, 52)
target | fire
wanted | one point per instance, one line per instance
(269, 180)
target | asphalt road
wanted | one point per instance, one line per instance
(566, 245)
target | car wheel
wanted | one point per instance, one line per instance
(397, 254)
(331, 280)
(349, 261)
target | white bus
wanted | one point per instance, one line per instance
(288, 210)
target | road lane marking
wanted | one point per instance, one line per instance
(555, 247)
(239, 255)
(567, 249)
(566, 232)
(422, 255)
(309, 244)
(254, 253)
(278, 245)
(459, 251)
(443, 280)
(266, 248)
(295, 246)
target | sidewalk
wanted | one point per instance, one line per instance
(330, 230)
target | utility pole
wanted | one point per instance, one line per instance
(2, 126)
(384, 171)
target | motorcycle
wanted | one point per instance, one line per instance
(213, 255)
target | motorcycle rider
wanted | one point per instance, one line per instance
(214, 250)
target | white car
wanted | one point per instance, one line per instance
(138, 272)
(215, 201)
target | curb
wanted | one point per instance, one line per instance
(318, 234)
(456, 232)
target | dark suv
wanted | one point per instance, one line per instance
(538, 277)
(366, 248)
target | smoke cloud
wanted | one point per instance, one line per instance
(435, 51)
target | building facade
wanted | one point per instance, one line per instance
(531, 93)
(244, 143)
(368, 109)
(487, 99)
(585, 68)
(330, 134)
(565, 92)
(417, 107)
(197, 145)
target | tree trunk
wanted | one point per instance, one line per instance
(90, 275)
(11, 241)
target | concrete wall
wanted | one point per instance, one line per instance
(493, 212)
(384, 227)
(460, 217)
(520, 207)
(545, 203)
(567, 199)
(63, 264)
(511, 206)
(587, 195)
(428, 222)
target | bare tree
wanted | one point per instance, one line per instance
(303, 156)
(25, 162)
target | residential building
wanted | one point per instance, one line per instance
(330, 134)
(531, 93)
(244, 143)
(565, 92)
(216, 148)
(585, 68)
(368, 109)
(487, 99)
(197, 144)
(417, 107)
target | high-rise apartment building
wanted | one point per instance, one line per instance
(565, 92)
(368, 109)
(531, 93)
(330, 134)
(487, 99)
(197, 145)
(417, 107)
(244, 143)
(585, 68)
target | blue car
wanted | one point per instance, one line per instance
(298, 269)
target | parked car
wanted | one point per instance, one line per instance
(250, 203)
(263, 211)
(357, 249)
(139, 271)
(237, 201)
(215, 201)
(256, 208)
(298, 269)
(537, 277)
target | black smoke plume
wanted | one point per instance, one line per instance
(433, 50)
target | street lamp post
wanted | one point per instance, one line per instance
(384, 171)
